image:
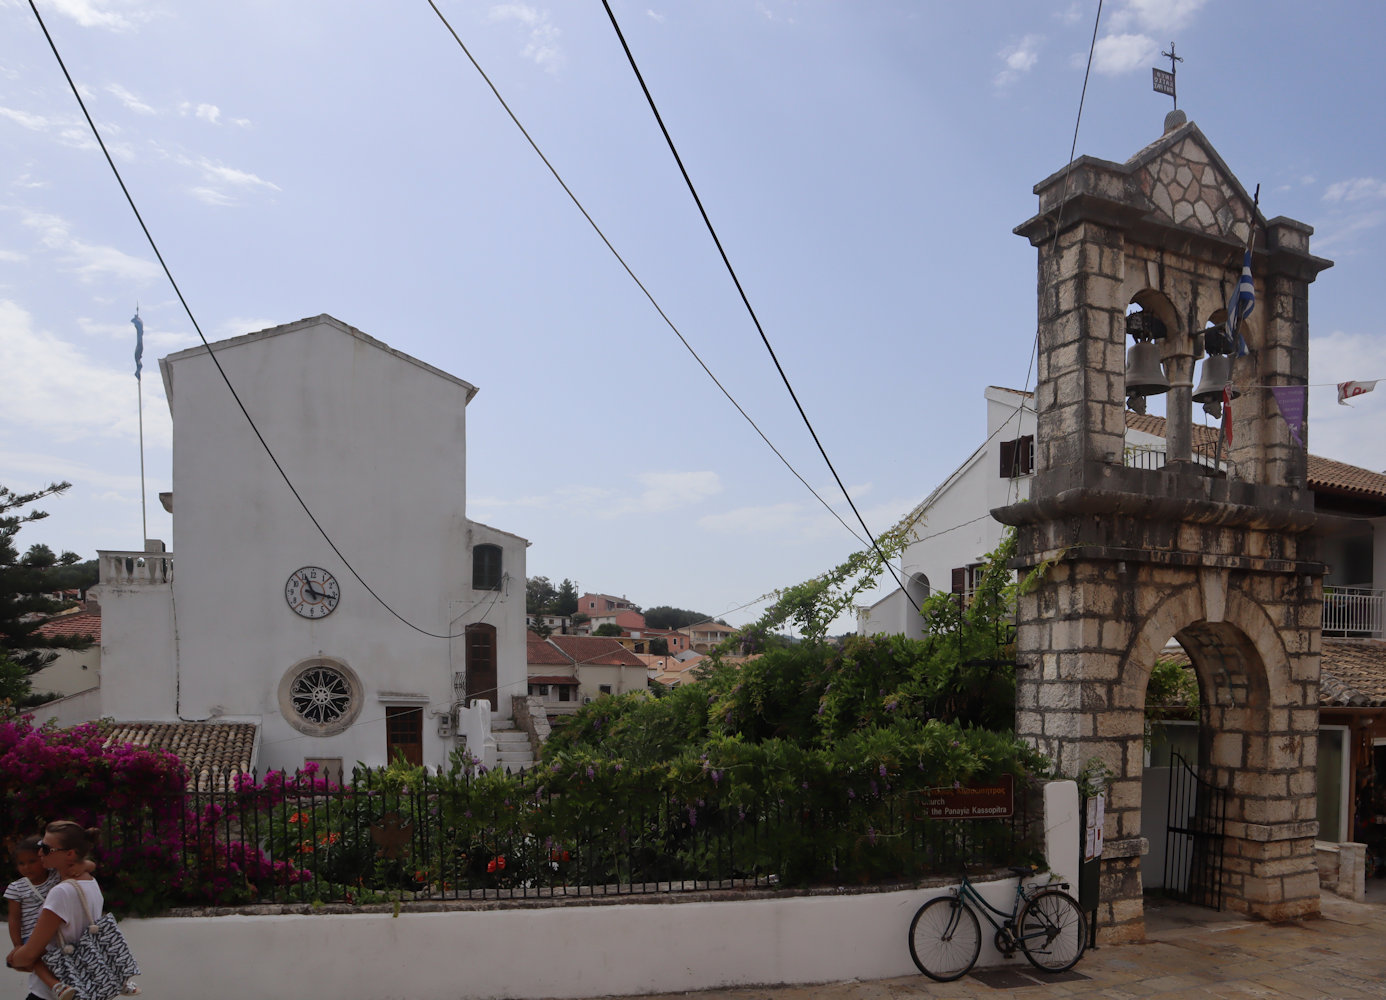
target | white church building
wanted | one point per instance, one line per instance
(402, 635)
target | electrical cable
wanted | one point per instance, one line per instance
(627, 268)
(212, 354)
(747, 303)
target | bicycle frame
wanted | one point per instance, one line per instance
(967, 893)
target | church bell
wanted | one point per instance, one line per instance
(1144, 375)
(1217, 372)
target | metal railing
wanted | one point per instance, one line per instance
(1355, 612)
(303, 839)
(1144, 457)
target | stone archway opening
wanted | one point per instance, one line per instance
(1203, 760)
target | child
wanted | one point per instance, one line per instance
(26, 895)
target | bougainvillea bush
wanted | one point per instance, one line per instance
(158, 848)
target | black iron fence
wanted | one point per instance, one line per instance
(301, 839)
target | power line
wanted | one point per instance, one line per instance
(627, 268)
(747, 302)
(212, 354)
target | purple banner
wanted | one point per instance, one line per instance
(1291, 399)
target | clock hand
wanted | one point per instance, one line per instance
(313, 592)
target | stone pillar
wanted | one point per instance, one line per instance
(1079, 402)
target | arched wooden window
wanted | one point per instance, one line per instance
(486, 567)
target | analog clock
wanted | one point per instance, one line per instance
(312, 592)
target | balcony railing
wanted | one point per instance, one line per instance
(136, 569)
(1144, 457)
(1354, 612)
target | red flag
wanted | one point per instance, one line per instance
(1227, 412)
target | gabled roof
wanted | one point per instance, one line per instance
(303, 324)
(214, 753)
(72, 626)
(601, 650)
(539, 653)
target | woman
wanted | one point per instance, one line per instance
(64, 848)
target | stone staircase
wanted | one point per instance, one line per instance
(513, 752)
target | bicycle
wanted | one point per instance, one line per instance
(1045, 923)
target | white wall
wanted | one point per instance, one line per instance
(957, 529)
(72, 671)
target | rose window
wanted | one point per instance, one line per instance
(321, 695)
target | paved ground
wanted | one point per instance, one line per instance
(1188, 953)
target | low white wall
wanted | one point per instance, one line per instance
(558, 951)
(664, 945)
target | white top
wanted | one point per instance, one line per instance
(63, 900)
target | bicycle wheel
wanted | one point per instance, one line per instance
(945, 939)
(1052, 931)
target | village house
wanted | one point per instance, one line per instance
(396, 629)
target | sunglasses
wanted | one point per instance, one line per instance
(49, 848)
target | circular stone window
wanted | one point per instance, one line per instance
(320, 696)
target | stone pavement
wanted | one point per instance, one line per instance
(1188, 952)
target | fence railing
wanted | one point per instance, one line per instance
(305, 840)
(1357, 612)
(1145, 457)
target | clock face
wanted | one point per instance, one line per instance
(312, 592)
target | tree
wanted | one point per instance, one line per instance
(23, 583)
(659, 646)
(666, 617)
(540, 595)
(541, 628)
(566, 603)
(607, 628)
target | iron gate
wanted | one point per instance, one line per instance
(1194, 849)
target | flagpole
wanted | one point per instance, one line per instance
(139, 395)
(144, 515)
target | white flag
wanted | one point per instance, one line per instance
(1346, 390)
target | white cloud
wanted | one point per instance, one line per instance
(1331, 234)
(779, 518)
(12, 256)
(34, 123)
(1349, 433)
(1356, 189)
(64, 394)
(655, 16)
(541, 45)
(1019, 59)
(88, 260)
(1115, 54)
(232, 176)
(665, 491)
(128, 99)
(657, 493)
(96, 14)
(211, 196)
(1161, 16)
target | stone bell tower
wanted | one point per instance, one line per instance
(1210, 551)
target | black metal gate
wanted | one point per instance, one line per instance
(1193, 851)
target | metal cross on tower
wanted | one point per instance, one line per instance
(1164, 79)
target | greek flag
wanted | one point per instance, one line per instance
(139, 345)
(1241, 304)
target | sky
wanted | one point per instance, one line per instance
(863, 163)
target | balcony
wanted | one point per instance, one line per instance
(135, 569)
(1354, 612)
